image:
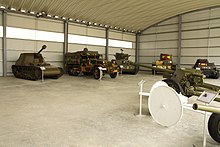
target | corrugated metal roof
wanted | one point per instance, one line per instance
(129, 14)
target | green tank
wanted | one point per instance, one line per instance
(125, 65)
(31, 66)
(89, 63)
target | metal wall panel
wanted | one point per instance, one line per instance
(161, 38)
(89, 31)
(121, 36)
(54, 52)
(200, 35)
(197, 15)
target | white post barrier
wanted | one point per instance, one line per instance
(141, 94)
(101, 72)
(121, 67)
(42, 73)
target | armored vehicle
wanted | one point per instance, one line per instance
(165, 62)
(190, 82)
(125, 64)
(208, 69)
(32, 66)
(89, 63)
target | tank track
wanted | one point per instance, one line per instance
(27, 72)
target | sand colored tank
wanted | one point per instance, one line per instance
(30, 66)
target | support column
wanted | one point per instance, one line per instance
(179, 40)
(137, 47)
(107, 42)
(4, 43)
(65, 47)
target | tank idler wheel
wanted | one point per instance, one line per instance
(214, 127)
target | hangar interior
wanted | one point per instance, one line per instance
(81, 111)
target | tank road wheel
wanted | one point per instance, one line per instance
(96, 73)
(171, 83)
(73, 72)
(214, 127)
(216, 76)
(113, 75)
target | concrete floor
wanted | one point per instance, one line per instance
(81, 111)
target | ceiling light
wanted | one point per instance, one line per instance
(48, 15)
(106, 26)
(13, 9)
(56, 16)
(111, 27)
(95, 23)
(2, 7)
(31, 12)
(83, 21)
(89, 23)
(22, 10)
(115, 27)
(63, 18)
(77, 20)
(70, 19)
(100, 25)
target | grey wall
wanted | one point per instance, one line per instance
(122, 36)
(82, 30)
(200, 38)
(54, 52)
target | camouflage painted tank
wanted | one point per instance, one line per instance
(208, 69)
(126, 65)
(30, 65)
(89, 63)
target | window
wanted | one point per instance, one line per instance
(30, 34)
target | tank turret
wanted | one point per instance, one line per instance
(29, 66)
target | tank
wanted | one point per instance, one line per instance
(125, 64)
(165, 62)
(31, 66)
(89, 63)
(207, 68)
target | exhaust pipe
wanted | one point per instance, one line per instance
(206, 108)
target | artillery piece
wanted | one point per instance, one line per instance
(31, 65)
(189, 82)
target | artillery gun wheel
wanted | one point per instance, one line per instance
(171, 83)
(113, 75)
(214, 127)
(96, 73)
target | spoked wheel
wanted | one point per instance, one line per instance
(171, 83)
(214, 127)
(113, 75)
(96, 73)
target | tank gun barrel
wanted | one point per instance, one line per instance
(155, 68)
(43, 47)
